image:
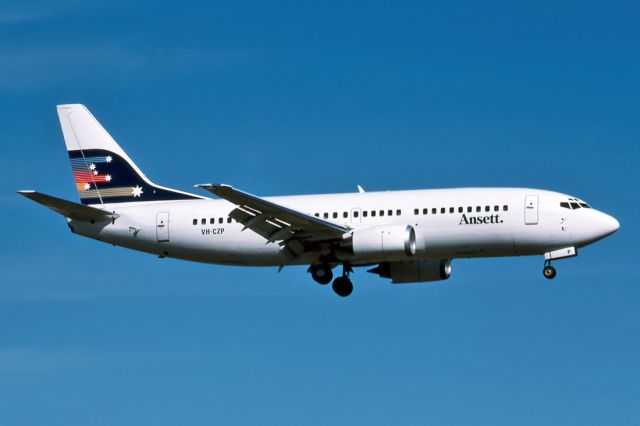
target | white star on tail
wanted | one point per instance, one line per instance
(87, 186)
(136, 191)
(92, 166)
(107, 178)
(108, 159)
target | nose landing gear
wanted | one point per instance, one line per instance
(548, 271)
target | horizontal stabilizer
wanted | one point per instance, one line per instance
(68, 208)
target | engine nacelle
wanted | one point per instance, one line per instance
(414, 271)
(384, 242)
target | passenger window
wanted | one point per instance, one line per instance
(496, 208)
(203, 221)
(373, 213)
(345, 215)
(195, 221)
(487, 208)
(326, 215)
(398, 212)
(335, 215)
(390, 212)
(478, 208)
(505, 207)
(469, 209)
(355, 213)
(434, 210)
(381, 212)
(460, 209)
(221, 220)
(425, 211)
(317, 215)
(416, 212)
(228, 220)
(443, 210)
(364, 213)
(452, 209)
(212, 221)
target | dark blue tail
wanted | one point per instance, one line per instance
(103, 172)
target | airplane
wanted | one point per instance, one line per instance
(407, 236)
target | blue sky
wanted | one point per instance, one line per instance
(300, 97)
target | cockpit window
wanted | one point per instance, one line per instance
(574, 203)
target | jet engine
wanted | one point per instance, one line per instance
(384, 242)
(414, 271)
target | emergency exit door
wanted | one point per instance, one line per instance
(531, 210)
(162, 227)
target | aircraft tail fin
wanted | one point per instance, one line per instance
(103, 172)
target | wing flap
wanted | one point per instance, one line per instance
(68, 208)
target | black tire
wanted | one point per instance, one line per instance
(322, 274)
(342, 286)
(549, 272)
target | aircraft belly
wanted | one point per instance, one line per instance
(538, 239)
(228, 245)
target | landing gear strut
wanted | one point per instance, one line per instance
(321, 273)
(548, 271)
(343, 285)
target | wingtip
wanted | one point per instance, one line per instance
(69, 106)
(212, 185)
(26, 191)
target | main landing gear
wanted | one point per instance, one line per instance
(342, 285)
(321, 273)
(548, 271)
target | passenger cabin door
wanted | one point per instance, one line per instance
(531, 210)
(162, 227)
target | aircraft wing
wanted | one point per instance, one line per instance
(68, 208)
(277, 223)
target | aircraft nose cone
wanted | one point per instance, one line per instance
(609, 224)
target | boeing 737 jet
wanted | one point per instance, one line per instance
(406, 236)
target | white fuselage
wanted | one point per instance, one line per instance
(450, 223)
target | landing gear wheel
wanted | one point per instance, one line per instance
(342, 286)
(321, 274)
(549, 272)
